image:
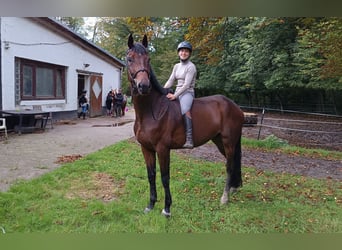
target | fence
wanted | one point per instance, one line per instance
(301, 128)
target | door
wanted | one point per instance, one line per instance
(95, 95)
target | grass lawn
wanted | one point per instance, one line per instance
(107, 191)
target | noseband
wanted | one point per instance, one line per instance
(133, 79)
(133, 76)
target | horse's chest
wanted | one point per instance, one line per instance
(146, 135)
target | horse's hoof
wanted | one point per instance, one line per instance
(224, 202)
(188, 146)
(224, 198)
(233, 190)
(166, 214)
(147, 210)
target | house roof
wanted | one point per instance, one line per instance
(65, 31)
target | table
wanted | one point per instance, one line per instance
(22, 113)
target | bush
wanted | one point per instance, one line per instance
(272, 141)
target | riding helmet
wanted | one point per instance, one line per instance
(184, 45)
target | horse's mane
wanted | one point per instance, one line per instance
(155, 83)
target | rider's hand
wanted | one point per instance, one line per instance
(171, 96)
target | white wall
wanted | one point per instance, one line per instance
(24, 36)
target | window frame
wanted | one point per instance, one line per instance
(57, 69)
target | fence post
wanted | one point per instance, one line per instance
(261, 121)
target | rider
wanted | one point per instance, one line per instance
(185, 73)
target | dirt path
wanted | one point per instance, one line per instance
(275, 162)
(33, 154)
(294, 164)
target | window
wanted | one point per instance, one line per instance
(40, 80)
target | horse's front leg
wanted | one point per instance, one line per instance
(164, 162)
(150, 160)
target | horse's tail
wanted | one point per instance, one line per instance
(236, 178)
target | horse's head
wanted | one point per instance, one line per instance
(138, 66)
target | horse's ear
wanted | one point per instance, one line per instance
(144, 41)
(130, 41)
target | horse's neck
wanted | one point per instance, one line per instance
(155, 83)
(151, 105)
(143, 105)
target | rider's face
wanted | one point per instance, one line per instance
(184, 54)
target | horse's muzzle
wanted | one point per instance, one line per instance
(144, 88)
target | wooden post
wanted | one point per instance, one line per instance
(261, 121)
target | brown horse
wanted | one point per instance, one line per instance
(159, 126)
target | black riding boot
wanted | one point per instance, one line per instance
(188, 132)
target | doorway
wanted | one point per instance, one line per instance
(92, 83)
(95, 95)
(81, 85)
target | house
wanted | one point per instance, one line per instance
(44, 63)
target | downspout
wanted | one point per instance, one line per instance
(0, 67)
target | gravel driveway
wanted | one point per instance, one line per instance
(32, 154)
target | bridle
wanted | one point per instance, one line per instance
(158, 110)
(134, 75)
(134, 86)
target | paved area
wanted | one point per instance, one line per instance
(30, 155)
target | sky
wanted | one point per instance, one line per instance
(89, 20)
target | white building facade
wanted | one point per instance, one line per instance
(45, 63)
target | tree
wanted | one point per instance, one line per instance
(163, 35)
(258, 59)
(74, 23)
(331, 47)
(319, 54)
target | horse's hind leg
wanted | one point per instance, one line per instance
(233, 168)
(150, 160)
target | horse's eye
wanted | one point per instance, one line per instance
(129, 59)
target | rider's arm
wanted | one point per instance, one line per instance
(172, 78)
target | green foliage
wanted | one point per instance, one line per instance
(318, 54)
(272, 141)
(258, 60)
(74, 23)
